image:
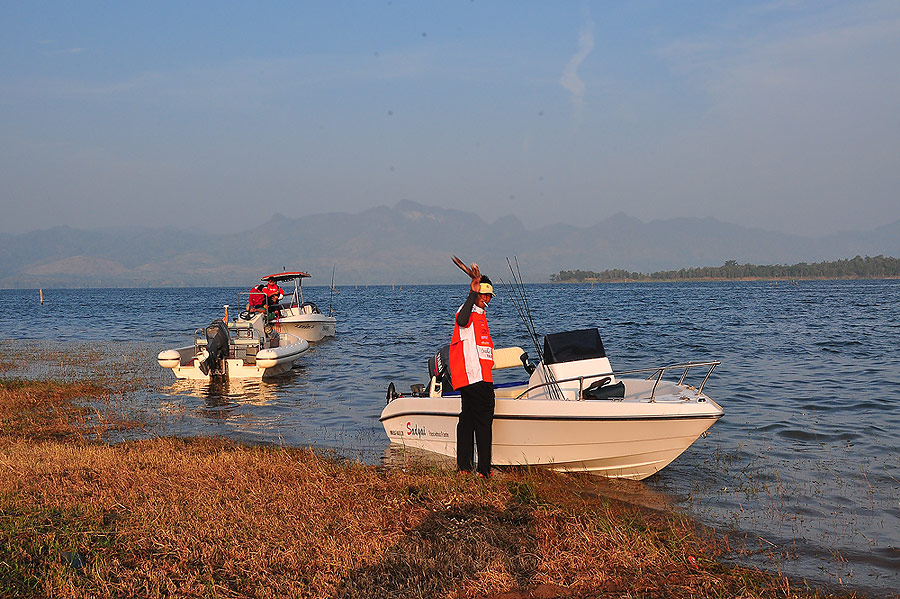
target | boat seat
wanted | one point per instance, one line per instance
(602, 389)
(508, 357)
(309, 308)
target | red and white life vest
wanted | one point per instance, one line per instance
(471, 351)
(274, 292)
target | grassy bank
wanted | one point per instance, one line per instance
(211, 518)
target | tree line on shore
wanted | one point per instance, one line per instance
(878, 267)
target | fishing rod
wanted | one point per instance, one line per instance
(520, 300)
(520, 310)
(524, 295)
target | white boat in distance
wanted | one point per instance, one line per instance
(300, 318)
(246, 347)
(573, 414)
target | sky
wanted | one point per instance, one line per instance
(215, 116)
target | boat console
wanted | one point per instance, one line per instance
(575, 367)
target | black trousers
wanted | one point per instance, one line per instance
(475, 421)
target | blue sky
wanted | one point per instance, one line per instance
(216, 115)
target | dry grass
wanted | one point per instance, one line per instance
(36, 410)
(211, 518)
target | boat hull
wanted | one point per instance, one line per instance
(185, 364)
(311, 327)
(621, 439)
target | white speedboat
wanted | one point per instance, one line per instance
(301, 318)
(247, 347)
(573, 414)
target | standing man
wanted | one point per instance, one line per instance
(471, 361)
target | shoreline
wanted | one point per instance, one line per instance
(201, 516)
(725, 280)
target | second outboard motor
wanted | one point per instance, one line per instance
(216, 346)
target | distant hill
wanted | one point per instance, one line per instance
(408, 243)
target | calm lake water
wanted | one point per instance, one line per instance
(804, 467)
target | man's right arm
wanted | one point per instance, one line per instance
(462, 317)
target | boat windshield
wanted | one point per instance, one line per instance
(573, 345)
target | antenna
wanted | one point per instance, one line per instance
(331, 300)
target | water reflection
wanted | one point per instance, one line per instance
(221, 391)
(248, 407)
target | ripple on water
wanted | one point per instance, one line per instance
(816, 436)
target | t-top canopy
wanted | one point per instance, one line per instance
(573, 345)
(285, 276)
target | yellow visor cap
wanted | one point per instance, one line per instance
(486, 288)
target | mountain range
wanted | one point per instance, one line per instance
(409, 243)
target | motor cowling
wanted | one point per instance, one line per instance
(217, 340)
(439, 367)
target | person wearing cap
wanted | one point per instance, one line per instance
(274, 293)
(471, 362)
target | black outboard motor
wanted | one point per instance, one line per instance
(216, 346)
(439, 367)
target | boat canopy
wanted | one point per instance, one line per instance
(573, 345)
(286, 276)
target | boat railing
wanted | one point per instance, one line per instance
(241, 335)
(200, 340)
(656, 373)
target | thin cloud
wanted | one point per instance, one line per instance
(53, 52)
(59, 51)
(570, 79)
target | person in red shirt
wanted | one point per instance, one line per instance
(257, 300)
(274, 293)
(471, 363)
